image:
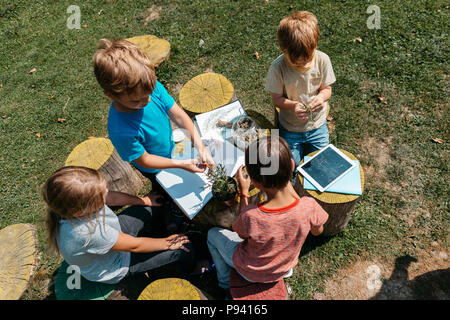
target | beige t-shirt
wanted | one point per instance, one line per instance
(294, 82)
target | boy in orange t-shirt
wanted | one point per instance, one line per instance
(268, 237)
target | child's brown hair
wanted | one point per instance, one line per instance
(71, 191)
(298, 35)
(121, 68)
(270, 153)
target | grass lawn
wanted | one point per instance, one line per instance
(390, 100)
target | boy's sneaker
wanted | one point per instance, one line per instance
(289, 273)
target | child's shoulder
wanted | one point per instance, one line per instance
(322, 57)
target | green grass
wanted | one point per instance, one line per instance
(405, 62)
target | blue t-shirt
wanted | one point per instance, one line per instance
(87, 245)
(147, 129)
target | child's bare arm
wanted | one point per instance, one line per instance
(128, 243)
(116, 198)
(152, 161)
(317, 230)
(183, 121)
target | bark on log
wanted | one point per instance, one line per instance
(99, 154)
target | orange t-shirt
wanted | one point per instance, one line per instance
(273, 238)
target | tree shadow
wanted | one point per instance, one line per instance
(312, 242)
(434, 285)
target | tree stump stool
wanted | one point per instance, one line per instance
(339, 206)
(156, 49)
(206, 92)
(242, 289)
(100, 154)
(171, 289)
(18, 251)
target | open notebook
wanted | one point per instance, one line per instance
(190, 191)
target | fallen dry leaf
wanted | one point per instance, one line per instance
(61, 120)
(38, 135)
(356, 39)
(380, 98)
(329, 118)
(32, 70)
(4, 116)
(84, 25)
(437, 140)
(1, 85)
(256, 55)
(100, 12)
(52, 96)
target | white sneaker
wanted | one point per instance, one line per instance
(289, 273)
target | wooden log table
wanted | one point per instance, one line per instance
(339, 206)
(100, 154)
(156, 49)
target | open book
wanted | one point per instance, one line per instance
(216, 124)
(191, 191)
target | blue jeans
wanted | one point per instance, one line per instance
(303, 143)
(221, 244)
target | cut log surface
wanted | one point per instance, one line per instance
(18, 252)
(156, 49)
(339, 206)
(171, 289)
(206, 92)
(99, 154)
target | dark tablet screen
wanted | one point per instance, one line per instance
(326, 167)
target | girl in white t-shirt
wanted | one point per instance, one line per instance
(105, 246)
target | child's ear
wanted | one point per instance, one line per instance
(292, 164)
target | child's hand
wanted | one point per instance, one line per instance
(153, 199)
(193, 165)
(177, 241)
(316, 104)
(301, 111)
(243, 180)
(206, 158)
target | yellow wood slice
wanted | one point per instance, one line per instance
(170, 289)
(206, 92)
(92, 153)
(18, 249)
(332, 197)
(156, 49)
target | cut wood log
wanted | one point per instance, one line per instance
(99, 154)
(18, 253)
(156, 49)
(339, 206)
(206, 92)
(171, 289)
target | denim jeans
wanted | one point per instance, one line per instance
(221, 244)
(303, 143)
(136, 219)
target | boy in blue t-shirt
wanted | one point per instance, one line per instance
(138, 121)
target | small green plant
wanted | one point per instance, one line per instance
(223, 187)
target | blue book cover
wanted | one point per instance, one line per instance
(348, 184)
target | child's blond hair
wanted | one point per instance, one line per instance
(121, 68)
(71, 191)
(298, 35)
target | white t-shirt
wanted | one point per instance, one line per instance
(87, 245)
(294, 82)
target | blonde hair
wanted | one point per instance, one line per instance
(70, 191)
(298, 35)
(122, 68)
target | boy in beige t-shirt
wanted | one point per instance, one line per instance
(299, 83)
